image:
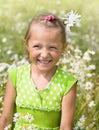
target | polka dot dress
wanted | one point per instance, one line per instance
(43, 105)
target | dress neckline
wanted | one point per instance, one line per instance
(48, 85)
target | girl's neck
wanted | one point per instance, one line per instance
(42, 79)
(37, 72)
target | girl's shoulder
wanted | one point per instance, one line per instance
(66, 79)
(19, 68)
(64, 74)
(16, 73)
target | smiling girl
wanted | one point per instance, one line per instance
(41, 91)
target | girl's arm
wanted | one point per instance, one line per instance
(68, 109)
(8, 106)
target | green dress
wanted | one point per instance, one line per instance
(39, 109)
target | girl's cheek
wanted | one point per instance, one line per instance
(56, 54)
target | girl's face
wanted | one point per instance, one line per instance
(45, 47)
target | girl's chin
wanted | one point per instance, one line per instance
(44, 69)
(43, 66)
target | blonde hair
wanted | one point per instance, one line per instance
(48, 23)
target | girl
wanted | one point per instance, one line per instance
(42, 94)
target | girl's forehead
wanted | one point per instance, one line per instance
(42, 31)
(39, 31)
(38, 27)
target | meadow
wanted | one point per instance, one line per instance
(80, 57)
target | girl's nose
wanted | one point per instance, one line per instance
(44, 53)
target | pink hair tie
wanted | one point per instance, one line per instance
(49, 18)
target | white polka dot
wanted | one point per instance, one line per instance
(59, 75)
(22, 90)
(34, 104)
(47, 97)
(48, 88)
(58, 84)
(30, 98)
(55, 88)
(20, 70)
(24, 96)
(61, 89)
(58, 93)
(50, 103)
(51, 92)
(61, 80)
(34, 94)
(22, 76)
(60, 99)
(56, 103)
(37, 100)
(21, 100)
(27, 102)
(28, 77)
(54, 98)
(24, 81)
(31, 88)
(65, 76)
(44, 101)
(24, 68)
(28, 92)
(52, 83)
(29, 83)
(44, 92)
(19, 95)
(25, 87)
(56, 71)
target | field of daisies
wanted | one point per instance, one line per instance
(81, 19)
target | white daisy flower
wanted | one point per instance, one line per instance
(29, 118)
(7, 127)
(70, 19)
(91, 104)
(16, 117)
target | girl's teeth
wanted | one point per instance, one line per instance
(45, 62)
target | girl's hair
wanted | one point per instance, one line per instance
(49, 21)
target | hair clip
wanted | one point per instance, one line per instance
(49, 18)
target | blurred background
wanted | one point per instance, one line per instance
(15, 16)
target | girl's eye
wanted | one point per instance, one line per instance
(36, 46)
(53, 48)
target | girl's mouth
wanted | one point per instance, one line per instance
(44, 62)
